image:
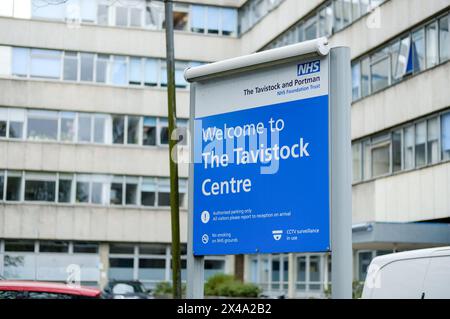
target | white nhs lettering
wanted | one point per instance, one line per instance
(308, 68)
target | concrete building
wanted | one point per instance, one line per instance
(83, 130)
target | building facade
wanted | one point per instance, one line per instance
(83, 130)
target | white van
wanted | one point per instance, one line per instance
(415, 274)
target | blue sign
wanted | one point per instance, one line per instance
(261, 178)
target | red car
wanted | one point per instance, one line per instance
(10, 289)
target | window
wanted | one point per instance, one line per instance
(101, 125)
(356, 9)
(433, 140)
(119, 70)
(325, 21)
(65, 188)
(85, 248)
(16, 123)
(310, 29)
(397, 151)
(364, 259)
(180, 17)
(365, 77)
(116, 194)
(180, 81)
(45, 64)
(148, 191)
(182, 132)
(347, 12)
(133, 129)
(367, 166)
(44, 9)
(409, 147)
(400, 55)
(154, 15)
(149, 131)
(2, 183)
(121, 268)
(99, 189)
(380, 70)
(418, 50)
(19, 245)
(53, 247)
(151, 72)
(67, 133)
(121, 249)
(229, 21)
(164, 132)
(356, 150)
(380, 155)
(213, 20)
(20, 61)
(70, 66)
(163, 192)
(88, 10)
(3, 122)
(118, 128)
(131, 190)
(135, 17)
(152, 269)
(87, 67)
(101, 73)
(40, 187)
(356, 81)
(445, 136)
(83, 189)
(444, 39)
(42, 125)
(102, 14)
(13, 186)
(121, 16)
(338, 15)
(420, 139)
(432, 50)
(135, 76)
(84, 127)
(182, 188)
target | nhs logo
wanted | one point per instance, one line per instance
(308, 68)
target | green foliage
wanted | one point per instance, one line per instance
(228, 286)
(357, 289)
(165, 288)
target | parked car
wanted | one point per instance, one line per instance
(126, 289)
(10, 289)
(412, 274)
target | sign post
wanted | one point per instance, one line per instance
(270, 161)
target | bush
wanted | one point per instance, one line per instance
(164, 288)
(228, 286)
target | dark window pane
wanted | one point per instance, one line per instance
(396, 151)
(121, 249)
(131, 194)
(152, 249)
(65, 190)
(82, 194)
(418, 50)
(13, 188)
(2, 181)
(118, 129)
(36, 190)
(87, 248)
(116, 193)
(48, 295)
(19, 245)
(15, 129)
(164, 138)
(163, 199)
(133, 130)
(148, 198)
(53, 247)
(2, 128)
(444, 39)
(152, 263)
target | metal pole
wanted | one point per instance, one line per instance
(172, 119)
(195, 265)
(341, 165)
